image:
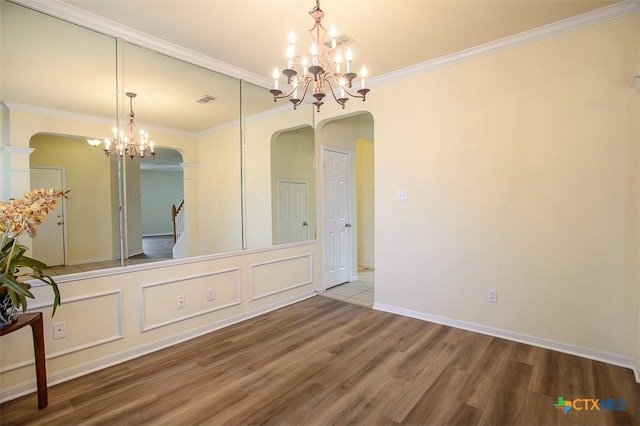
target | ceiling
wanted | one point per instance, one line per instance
(389, 34)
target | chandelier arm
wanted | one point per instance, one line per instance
(306, 88)
(362, 93)
(351, 94)
(282, 96)
(334, 94)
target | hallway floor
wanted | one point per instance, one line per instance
(155, 248)
(359, 292)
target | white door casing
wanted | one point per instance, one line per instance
(336, 216)
(293, 218)
(48, 246)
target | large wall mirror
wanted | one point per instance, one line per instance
(279, 178)
(233, 170)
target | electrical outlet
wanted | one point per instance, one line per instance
(181, 301)
(493, 296)
(210, 294)
(59, 330)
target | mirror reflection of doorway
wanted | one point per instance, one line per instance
(49, 246)
(293, 217)
(293, 185)
(90, 220)
(161, 191)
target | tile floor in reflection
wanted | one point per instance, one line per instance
(155, 248)
(358, 292)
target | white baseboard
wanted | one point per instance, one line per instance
(96, 260)
(365, 265)
(7, 394)
(605, 357)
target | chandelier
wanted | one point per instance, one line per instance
(133, 144)
(320, 67)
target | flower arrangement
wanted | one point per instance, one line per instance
(20, 217)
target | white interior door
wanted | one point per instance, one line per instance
(293, 220)
(336, 216)
(48, 246)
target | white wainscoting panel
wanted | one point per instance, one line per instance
(158, 301)
(82, 331)
(278, 275)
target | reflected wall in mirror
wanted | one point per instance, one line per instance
(279, 178)
(196, 113)
(292, 186)
(161, 185)
(87, 230)
(57, 87)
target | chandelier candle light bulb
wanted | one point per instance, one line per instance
(363, 73)
(319, 75)
(314, 54)
(349, 59)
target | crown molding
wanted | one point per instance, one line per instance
(97, 23)
(617, 10)
(94, 22)
(14, 106)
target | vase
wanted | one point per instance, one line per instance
(8, 311)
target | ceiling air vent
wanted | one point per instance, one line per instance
(206, 99)
(340, 40)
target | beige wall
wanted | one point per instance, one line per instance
(365, 202)
(132, 207)
(634, 187)
(219, 191)
(89, 213)
(522, 174)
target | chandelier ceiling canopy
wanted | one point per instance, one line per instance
(321, 69)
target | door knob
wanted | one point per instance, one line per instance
(59, 223)
(304, 223)
(347, 225)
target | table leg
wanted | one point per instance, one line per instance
(37, 327)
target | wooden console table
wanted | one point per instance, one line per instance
(35, 321)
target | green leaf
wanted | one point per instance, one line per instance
(9, 281)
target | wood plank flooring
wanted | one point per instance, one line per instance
(322, 362)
